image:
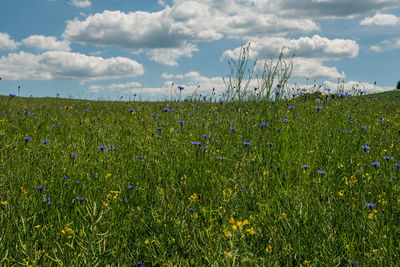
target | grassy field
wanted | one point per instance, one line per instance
(288, 183)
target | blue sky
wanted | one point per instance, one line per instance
(105, 49)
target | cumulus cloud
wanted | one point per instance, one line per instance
(113, 87)
(350, 85)
(310, 53)
(381, 20)
(169, 56)
(6, 42)
(46, 43)
(66, 65)
(191, 21)
(80, 3)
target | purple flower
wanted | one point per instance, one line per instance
(166, 109)
(80, 199)
(375, 164)
(232, 129)
(388, 158)
(12, 95)
(181, 122)
(365, 148)
(192, 209)
(279, 85)
(181, 88)
(45, 142)
(305, 167)
(370, 204)
(131, 110)
(158, 137)
(205, 136)
(74, 155)
(246, 143)
(102, 148)
(140, 157)
(277, 92)
(364, 127)
(47, 200)
(86, 111)
(264, 124)
(291, 107)
(397, 165)
(285, 120)
(318, 107)
(154, 116)
(355, 262)
(159, 128)
(322, 172)
(131, 187)
(124, 200)
(196, 143)
(40, 188)
(27, 139)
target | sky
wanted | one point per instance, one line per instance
(120, 49)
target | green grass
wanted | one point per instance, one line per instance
(229, 204)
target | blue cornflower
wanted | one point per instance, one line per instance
(221, 102)
(159, 128)
(388, 158)
(285, 120)
(139, 263)
(365, 148)
(66, 177)
(264, 124)
(159, 137)
(124, 200)
(131, 110)
(375, 164)
(47, 200)
(277, 92)
(305, 167)
(397, 165)
(154, 116)
(370, 204)
(318, 107)
(102, 148)
(291, 107)
(12, 95)
(166, 109)
(45, 142)
(196, 143)
(271, 166)
(40, 188)
(279, 85)
(246, 143)
(355, 261)
(80, 198)
(322, 172)
(86, 111)
(364, 127)
(181, 88)
(140, 157)
(74, 155)
(192, 209)
(27, 139)
(131, 187)
(205, 136)
(181, 122)
(232, 129)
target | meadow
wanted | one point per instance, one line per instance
(305, 181)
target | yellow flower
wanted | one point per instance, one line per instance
(231, 220)
(4, 203)
(146, 242)
(37, 226)
(234, 227)
(370, 215)
(340, 193)
(268, 249)
(227, 233)
(250, 231)
(306, 262)
(108, 175)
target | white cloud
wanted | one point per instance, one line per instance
(6, 42)
(66, 65)
(46, 43)
(169, 56)
(376, 48)
(310, 53)
(113, 87)
(350, 85)
(381, 20)
(80, 3)
(185, 21)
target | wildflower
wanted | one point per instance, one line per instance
(285, 120)
(250, 231)
(154, 116)
(159, 128)
(196, 143)
(264, 124)
(318, 107)
(181, 88)
(305, 167)
(397, 165)
(166, 109)
(47, 200)
(80, 199)
(277, 92)
(140, 157)
(364, 127)
(37, 226)
(123, 200)
(86, 111)
(138, 263)
(102, 148)
(322, 172)
(131, 110)
(27, 139)
(131, 187)
(365, 148)
(355, 262)
(291, 107)
(45, 142)
(232, 129)
(4, 203)
(74, 155)
(279, 85)
(375, 164)
(370, 204)
(41, 189)
(205, 136)
(158, 137)
(181, 122)
(246, 143)
(192, 209)
(108, 175)
(388, 158)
